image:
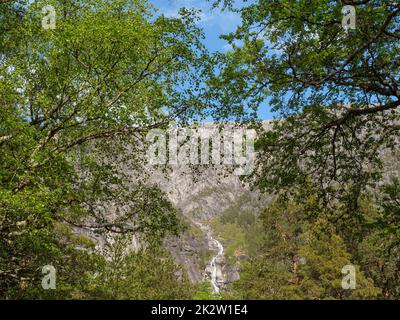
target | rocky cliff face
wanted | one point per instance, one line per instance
(203, 194)
(200, 193)
(202, 197)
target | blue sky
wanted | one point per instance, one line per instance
(214, 23)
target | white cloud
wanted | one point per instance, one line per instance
(225, 21)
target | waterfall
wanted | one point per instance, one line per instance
(213, 265)
(217, 247)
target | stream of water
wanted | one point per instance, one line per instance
(213, 265)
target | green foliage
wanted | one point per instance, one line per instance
(243, 214)
(325, 254)
(379, 249)
(71, 98)
(144, 275)
(301, 256)
(261, 280)
(204, 291)
(233, 238)
(335, 90)
(337, 98)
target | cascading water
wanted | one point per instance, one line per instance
(213, 266)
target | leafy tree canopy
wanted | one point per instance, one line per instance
(70, 97)
(335, 90)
